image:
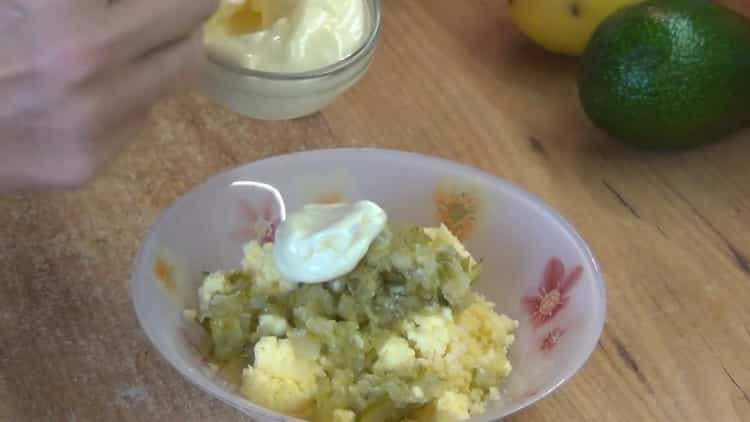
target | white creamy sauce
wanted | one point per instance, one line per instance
(320, 243)
(302, 35)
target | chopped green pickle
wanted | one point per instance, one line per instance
(403, 337)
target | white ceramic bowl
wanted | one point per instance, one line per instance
(283, 96)
(536, 268)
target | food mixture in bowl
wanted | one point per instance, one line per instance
(400, 337)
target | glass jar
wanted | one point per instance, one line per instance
(282, 96)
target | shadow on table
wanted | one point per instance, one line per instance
(615, 173)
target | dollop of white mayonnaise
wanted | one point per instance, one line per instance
(304, 35)
(320, 242)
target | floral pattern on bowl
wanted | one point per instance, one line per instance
(458, 207)
(550, 299)
(551, 296)
(259, 220)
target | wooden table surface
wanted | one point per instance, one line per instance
(455, 79)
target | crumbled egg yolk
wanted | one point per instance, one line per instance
(443, 235)
(280, 379)
(272, 325)
(395, 355)
(431, 334)
(450, 407)
(341, 415)
(213, 284)
(465, 348)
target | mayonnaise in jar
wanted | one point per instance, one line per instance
(287, 36)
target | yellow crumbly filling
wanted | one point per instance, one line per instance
(401, 338)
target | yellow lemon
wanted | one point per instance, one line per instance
(562, 26)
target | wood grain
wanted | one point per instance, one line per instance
(454, 79)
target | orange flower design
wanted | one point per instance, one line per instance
(164, 273)
(328, 198)
(458, 209)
